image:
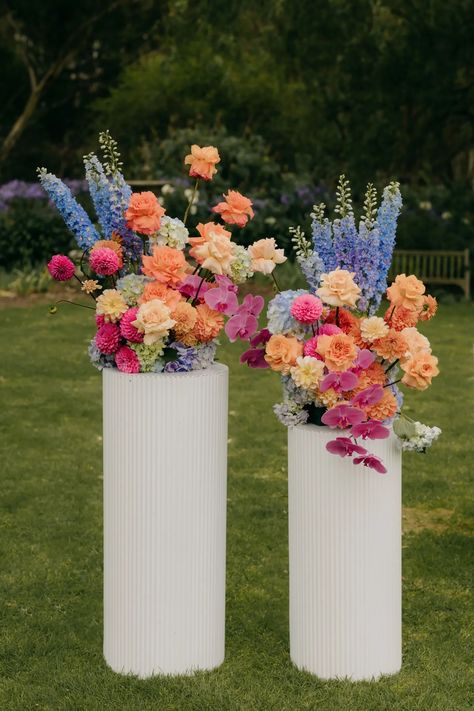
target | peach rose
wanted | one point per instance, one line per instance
(338, 288)
(215, 255)
(416, 342)
(282, 352)
(265, 255)
(235, 210)
(166, 265)
(202, 161)
(158, 290)
(154, 320)
(144, 213)
(339, 351)
(208, 323)
(420, 370)
(207, 232)
(406, 291)
(429, 308)
(185, 317)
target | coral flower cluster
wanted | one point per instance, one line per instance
(162, 292)
(342, 364)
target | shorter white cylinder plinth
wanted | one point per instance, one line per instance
(345, 558)
(165, 480)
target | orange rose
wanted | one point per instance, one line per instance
(339, 351)
(338, 288)
(207, 232)
(202, 161)
(185, 316)
(235, 210)
(208, 323)
(144, 213)
(392, 346)
(406, 291)
(420, 370)
(429, 308)
(166, 265)
(158, 290)
(384, 409)
(282, 352)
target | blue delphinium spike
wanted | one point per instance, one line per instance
(73, 214)
(322, 238)
(99, 189)
(387, 216)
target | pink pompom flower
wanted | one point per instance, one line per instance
(61, 268)
(104, 261)
(329, 329)
(307, 308)
(129, 332)
(343, 416)
(370, 460)
(126, 360)
(108, 338)
(344, 447)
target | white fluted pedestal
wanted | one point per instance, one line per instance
(165, 477)
(345, 558)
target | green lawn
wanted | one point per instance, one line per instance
(51, 540)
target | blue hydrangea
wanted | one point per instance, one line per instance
(98, 359)
(131, 287)
(292, 393)
(323, 244)
(279, 316)
(73, 214)
(290, 414)
(312, 268)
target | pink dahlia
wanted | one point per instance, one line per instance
(309, 348)
(61, 268)
(99, 320)
(329, 329)
(129, 332)
(127, 360)
(108, 338)
(104, 261)
(306, 308)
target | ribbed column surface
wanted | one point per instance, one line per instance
(345, 558)
(165, 481)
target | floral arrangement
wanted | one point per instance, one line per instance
(340, 363)
(160, 295)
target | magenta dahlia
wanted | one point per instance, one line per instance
(61, 268)
(127, 360)
(306, 308)
(104, 261)
(129, 332)
(108, 338)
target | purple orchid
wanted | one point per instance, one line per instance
(343, 416)
(369, 396)
(370, 430)
(370, 460)
(344, 447)
(346, 380)
(255, 358)
(244, 323)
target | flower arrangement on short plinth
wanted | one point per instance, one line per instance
(160, 295)
(339, 361)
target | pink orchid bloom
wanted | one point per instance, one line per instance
(347, 380)
(370, 430)
(364, 359)
(370, 460)
(344, 447)
(343, 416)
(261, 337)
(222, 299)
(255, 358)
(224, 282)
(252, 305)
(241, 325)
(193, 284)
(369, 396)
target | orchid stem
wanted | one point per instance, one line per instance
(391, 365)
(337, 316)
(394, 383)
(191, 201)
(276, 283)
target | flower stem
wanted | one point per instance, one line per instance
(191, 201)
(393, 383)
(74, 303)
(276, 283)
(198, 290)
(392, 364)
(337, 316)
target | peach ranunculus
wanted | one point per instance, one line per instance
(398, 317)
(215, 255)
(185, 317)
(202, 161)
(154, 320)
(373, 375)
(208, 323)
(407, 291)
(166, 265)
(282, 352)
(235, 210)
(384, 409)
(110, 244)
(144, 213)
(338, 288)
(429, 308)
(339, 351)
(265, 255)
(207, 232)
(393, 346)
(420, 370)
(158, 290)
(416, 342)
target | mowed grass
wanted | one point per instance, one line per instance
(51, 540)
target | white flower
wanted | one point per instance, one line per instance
(188, 193)
(425, 205)
(270, 220)
(172, 233)
(167, 189)
(373, 328)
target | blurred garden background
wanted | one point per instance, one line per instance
(292, 93)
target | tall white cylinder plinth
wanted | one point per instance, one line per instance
(345, 558)
(165, 480)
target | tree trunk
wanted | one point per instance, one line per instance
(20, 123)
